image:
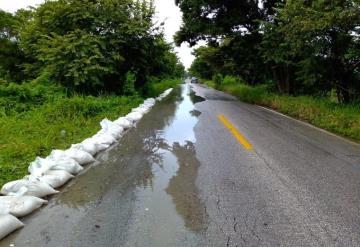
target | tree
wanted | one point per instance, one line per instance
(321, 40)
(231, 29)
(87, 45)
(212, 19)
(11, 56)
(200, 67)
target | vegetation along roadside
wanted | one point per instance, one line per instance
(65, 65)
(326, 113)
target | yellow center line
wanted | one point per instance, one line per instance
(246, 144)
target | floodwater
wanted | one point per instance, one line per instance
(142, 192)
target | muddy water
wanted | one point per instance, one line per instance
(142, 192)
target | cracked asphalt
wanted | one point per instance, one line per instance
(181, 178)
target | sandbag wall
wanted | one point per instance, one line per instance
(22, 197)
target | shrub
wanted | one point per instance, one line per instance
(218, 79)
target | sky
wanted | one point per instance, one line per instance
(166, 11)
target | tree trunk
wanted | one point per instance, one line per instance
(282, 77)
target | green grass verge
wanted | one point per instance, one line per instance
(321, 112)
(37, 118)
(154, 88)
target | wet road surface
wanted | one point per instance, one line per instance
(181, 178)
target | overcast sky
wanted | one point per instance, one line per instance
(166, 11)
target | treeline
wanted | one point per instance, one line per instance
(302, 47)
(88, 46)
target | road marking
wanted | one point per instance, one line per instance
(236, 133)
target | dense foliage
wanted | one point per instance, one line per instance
(305, 47)
(86, 45)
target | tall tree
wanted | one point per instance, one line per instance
(213, 19)
(11, 56)
(92, 45)
(320, 39)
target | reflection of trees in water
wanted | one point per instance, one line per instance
(149, 133)
(194, 98)
(140, 148)
(183, 190)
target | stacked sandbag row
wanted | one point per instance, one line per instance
(164, 94)
(22, 197)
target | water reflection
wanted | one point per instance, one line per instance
(179, 177)
(183, 189)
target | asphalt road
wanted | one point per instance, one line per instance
(208, 170)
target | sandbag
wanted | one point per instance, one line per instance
(39, 166)
(89, 146)
(124, 123)
(79, 156)
(141, 109)
(8, 224)
(61, 161)
(134, 116)
(99, 146)
(149, 101)
(111, 128)
(20, 206)
(147, 104)
(28, 187)
(164, 94)
(103, 138)
(56, 178)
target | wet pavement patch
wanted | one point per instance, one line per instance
(168, 209)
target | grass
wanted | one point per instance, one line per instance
(155, 88)
(321, 112)
(37, 118)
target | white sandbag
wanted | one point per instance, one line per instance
(103, 138)
(164, 94)
(61, 161)
(134, 116)
(56, 178)
(124, 123)
(28, 187)
(20, 206)
(79, 156)
(111, 128)
(89, 146)
(141, 110)
(8, 224)
(39, 166)
(150, 101)
(168, 91)
(147, 104)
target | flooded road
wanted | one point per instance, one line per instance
(181, 178)
(140, 193)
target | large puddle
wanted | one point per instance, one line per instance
(168, 210)
(141, 193)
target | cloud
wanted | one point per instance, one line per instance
(13, 5)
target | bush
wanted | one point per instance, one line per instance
(231, 80)
(17, 98)
(322, 112)
(156, 86)
(218, 79)
(129, 84)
